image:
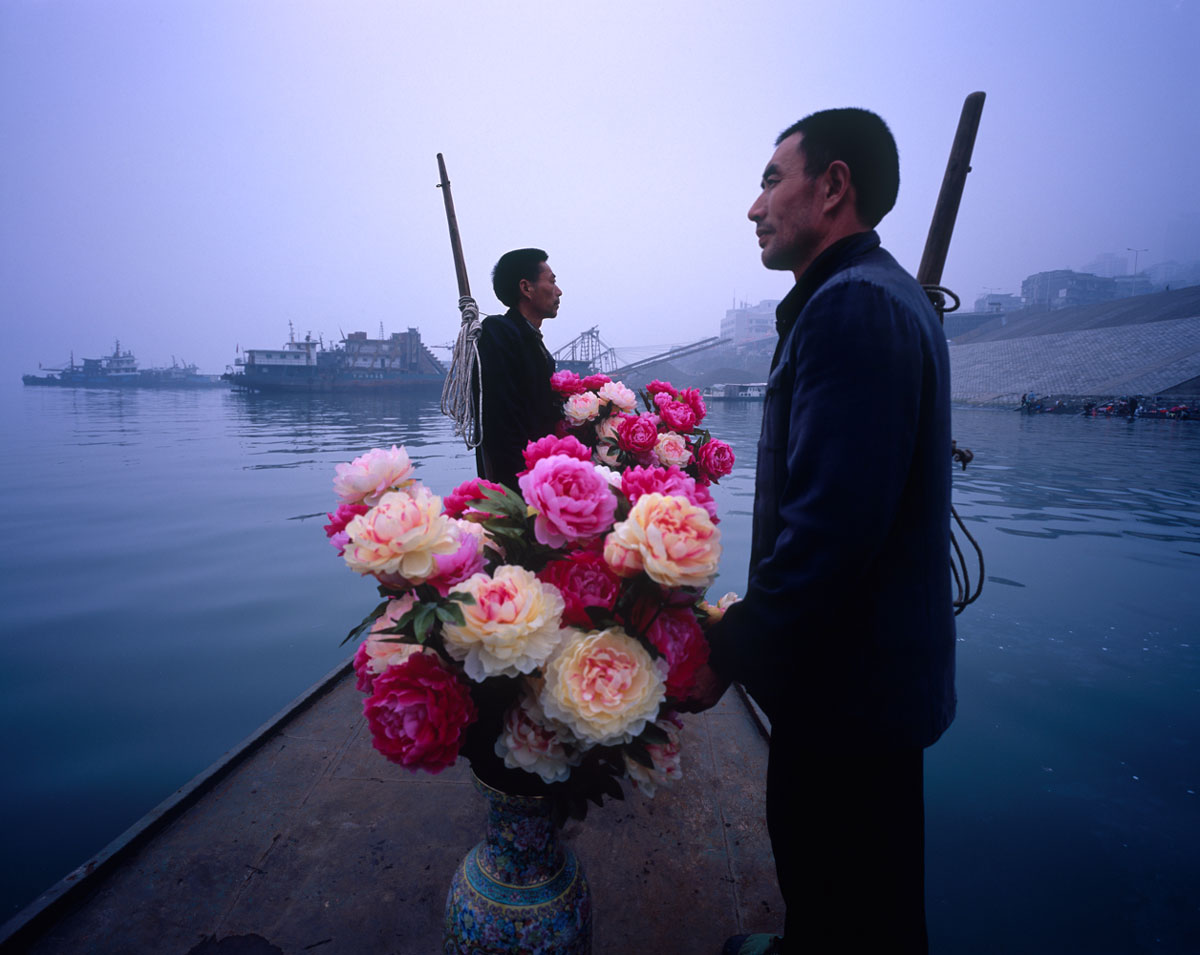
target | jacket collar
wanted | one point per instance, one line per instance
(514, 316)
(823, 267)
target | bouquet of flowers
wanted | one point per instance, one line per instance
(548, 632)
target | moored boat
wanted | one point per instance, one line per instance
(120, 370)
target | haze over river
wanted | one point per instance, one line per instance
(165, 587)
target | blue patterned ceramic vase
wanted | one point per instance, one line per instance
(518, 892)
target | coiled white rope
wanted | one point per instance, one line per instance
(458, 400)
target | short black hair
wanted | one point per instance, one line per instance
(864, 143)
(511, 269)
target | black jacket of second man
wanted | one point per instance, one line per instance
(518, 403)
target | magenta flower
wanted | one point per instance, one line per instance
(567, 383)
(677, 415)
(637, 433)
(595, 382)
(694, 400)
(457, 502)
(657, 388)
(572, 499)
(417, 713)
(715, 459)
(552, 444)
(638, 481)
(335, 530)
(584, 580)
(678, 637)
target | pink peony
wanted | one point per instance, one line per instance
(595, 382)
(656, 388)
(572, 500)
(457, 503)
(584, 580)
(566, 383)
(637, 433)
(715, 459)
(364, 679)
(638, 481)
(694, 400)
(417, 713)
(676, 634)
(677, 415)
(335, 530)
(552, 444)
(369, 476)
(463, 563)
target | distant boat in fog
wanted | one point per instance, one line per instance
(120, 370)
(400, 362)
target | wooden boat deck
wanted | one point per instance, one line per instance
(306, 840)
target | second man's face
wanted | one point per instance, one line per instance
(545, 293)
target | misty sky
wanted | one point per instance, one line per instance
(191, 175)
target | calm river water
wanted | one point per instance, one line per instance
(166, 587)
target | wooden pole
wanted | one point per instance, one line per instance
(937, 245)
(460, 265)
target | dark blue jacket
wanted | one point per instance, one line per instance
(846, 631)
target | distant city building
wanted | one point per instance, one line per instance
(1063, 287)
(1107, 265)
(749, 323)
(998, 302)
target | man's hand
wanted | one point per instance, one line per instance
(710, 687)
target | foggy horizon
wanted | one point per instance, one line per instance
(191, 178)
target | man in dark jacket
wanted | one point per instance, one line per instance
(846, 631)
(518, 404)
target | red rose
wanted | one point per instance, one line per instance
(584, 580)
(417, 713)
(638, 433)
(715, 459)
(678, 637)
(552, 444)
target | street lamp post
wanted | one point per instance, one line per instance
(1133, 276)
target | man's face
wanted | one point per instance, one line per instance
(544, 293)
(788, 212)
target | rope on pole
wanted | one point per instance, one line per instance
(462, 392)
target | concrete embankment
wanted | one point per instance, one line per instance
(1147, 346)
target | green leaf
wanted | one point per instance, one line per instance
(654, 734)
(365, 623)
(451, 613)
(639, 754)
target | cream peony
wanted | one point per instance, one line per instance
(603, 686)
(400, 537)
(581, 408)
(665, 756)
(513, 626)
(676, 541)
(381, 649)
(672, 449)
(619, 395)
(369, 476)
(530, 742)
